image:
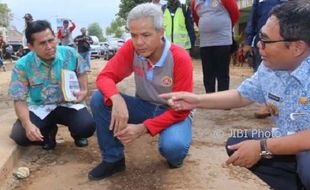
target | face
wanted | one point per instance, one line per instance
(276, 55)
(146, 40)
(83, 31)
(44, 45)
(65, 24)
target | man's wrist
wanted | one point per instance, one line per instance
(26, 124)
(143, 129)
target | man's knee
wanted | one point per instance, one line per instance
(304, 168)
(174, 148)
(18, 134)
(231, 141)
(86, 129)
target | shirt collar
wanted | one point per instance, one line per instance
(163, 57)
(302, 72)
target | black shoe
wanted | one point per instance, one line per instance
(172, 166)
(105, 169)
(49, 142)
(81, 142)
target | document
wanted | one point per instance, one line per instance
(69, 85)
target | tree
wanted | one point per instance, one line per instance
(117, 27)
(126, 5)
(95, 30)
(5, 15)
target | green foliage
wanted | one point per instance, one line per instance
(126, 5)
(117, 27)
(95, 30)
(5, 15)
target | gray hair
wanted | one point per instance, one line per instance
(147, 10)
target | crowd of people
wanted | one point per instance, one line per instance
(158, 56)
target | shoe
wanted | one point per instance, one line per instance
(172, 166)
(81, 142)
(49, 142)
(106, 169)
(262, 113)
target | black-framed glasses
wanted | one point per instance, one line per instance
(264, 42)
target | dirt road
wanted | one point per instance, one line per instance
(67, 166)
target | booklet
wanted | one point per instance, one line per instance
(69, 84)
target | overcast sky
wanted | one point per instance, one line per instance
(82, 12)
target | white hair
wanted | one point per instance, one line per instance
(147, 10)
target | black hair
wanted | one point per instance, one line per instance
(294, 20)
(35, 27)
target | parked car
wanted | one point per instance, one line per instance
(106, 50)
(115, 43)
(95, 51)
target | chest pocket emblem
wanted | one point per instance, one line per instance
(303, 100)
(166, 81)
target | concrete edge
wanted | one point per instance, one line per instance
(6, 167)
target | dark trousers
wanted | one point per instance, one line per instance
(215, 66)
(79, 122)
(280, 172)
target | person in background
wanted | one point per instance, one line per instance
(83, 43)
(179, 24)
(28, 19)
(36, 90)
(280, 155)
(215, 19)
(259, 14)
(158, 66)
(64, 34)
(2, 50)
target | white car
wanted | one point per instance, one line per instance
(95, 51)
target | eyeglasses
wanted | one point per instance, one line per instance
(264, 42)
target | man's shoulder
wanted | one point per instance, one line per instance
(180, 55)
(25, 60)
(65, 49)
(178, 51)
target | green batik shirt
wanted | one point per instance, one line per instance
(39, 83)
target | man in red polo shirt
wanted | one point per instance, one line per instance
(158, 67)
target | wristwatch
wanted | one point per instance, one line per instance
(265, 153)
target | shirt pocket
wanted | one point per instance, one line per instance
(35, 91)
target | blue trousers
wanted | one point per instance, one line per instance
(282, 171)
(174, 141)
(86, 56)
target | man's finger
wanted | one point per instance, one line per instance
(121, 133)
(167, 95)
(234, 157)
(112, 123)
(234, 147)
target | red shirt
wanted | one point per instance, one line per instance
(121, 66)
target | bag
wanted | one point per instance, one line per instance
(234, 46)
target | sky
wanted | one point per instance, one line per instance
(82, 12)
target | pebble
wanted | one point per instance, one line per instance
(22, 172)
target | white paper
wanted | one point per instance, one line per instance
(42, 111)
(69, 85)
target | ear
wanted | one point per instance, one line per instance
(30, 46)
(299, 48)
(161, 32)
